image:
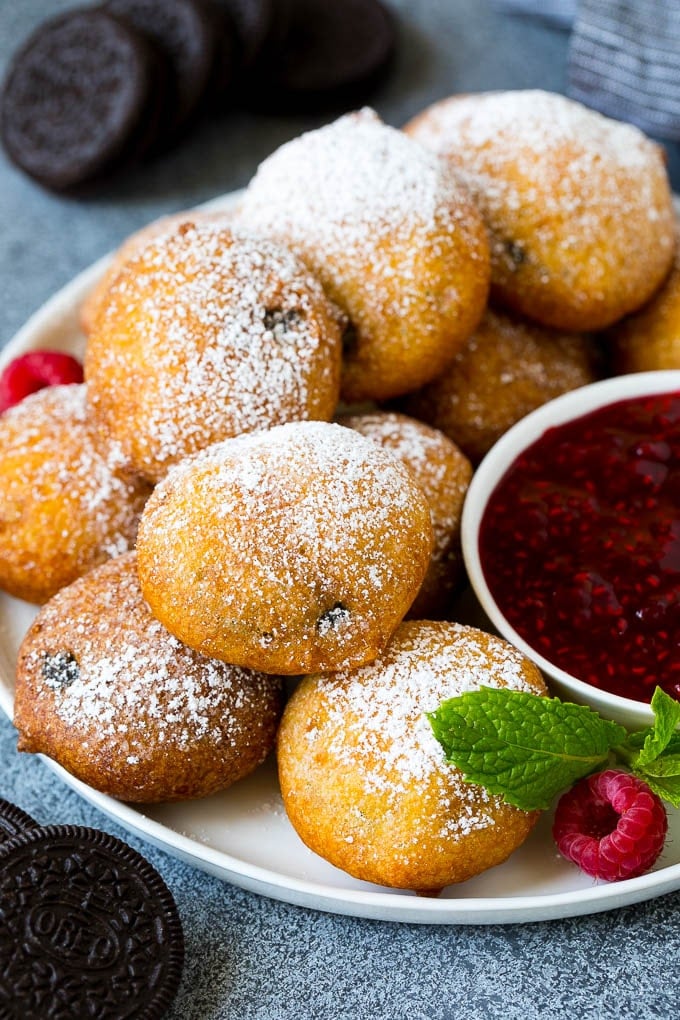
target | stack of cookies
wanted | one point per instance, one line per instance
(97, 89)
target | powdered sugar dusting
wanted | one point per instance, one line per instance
(98, 296)
(375, 716)
(51, 458)
(560, 185)
(136, 686)
(361, 204)
(350, 181)
(542, 122)
(441, 470)
(508, 367)
(309, 522)
(207, 334)
(355, 491)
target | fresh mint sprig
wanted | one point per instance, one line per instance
(663, 737)
(529, 749)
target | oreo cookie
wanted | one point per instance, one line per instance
(89, 929)
(333, 56)
(254, 23)
(76, 99)
(225, 59)
(13, 821)
(184, 32)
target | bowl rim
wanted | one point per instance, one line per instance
(567, 407)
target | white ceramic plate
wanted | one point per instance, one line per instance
(243, 835)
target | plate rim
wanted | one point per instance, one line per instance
(379, 905)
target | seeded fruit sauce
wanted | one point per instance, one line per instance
(580, 546)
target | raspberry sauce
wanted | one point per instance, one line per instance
(580, 546)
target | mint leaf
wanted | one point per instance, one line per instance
(636, 739)
(667, 787)
(522, 746)
(673, 745)
(665, 765)
(663, 776)
(662, 733)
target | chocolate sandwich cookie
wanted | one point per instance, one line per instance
(225, 60)
(258, 28)
(152, 128)
(89, 929)
(254, 21)
(184, 32)
(332, 56)
(76, 97)
(13, 821)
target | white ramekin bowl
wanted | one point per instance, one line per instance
(626, 711)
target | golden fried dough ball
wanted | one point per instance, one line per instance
(364, 781)
(649, 340)
(292, 550)
(67, 502)
(508, 367)
(578, 206)
(394, 239)
(104, 690)
(443, 472)
(207, 334)
(98, 296)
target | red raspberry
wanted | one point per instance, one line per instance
(611, 824)
(35, 370)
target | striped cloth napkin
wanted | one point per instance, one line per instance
(624, 57)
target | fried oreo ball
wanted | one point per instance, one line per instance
(443, 472)
(98, 296)
(578, 206)
(67, 501)
(649, 340)
(291, 550)
(364, 781)
(106, 691)
(507, 368)
(393, 237)
(207, 334)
